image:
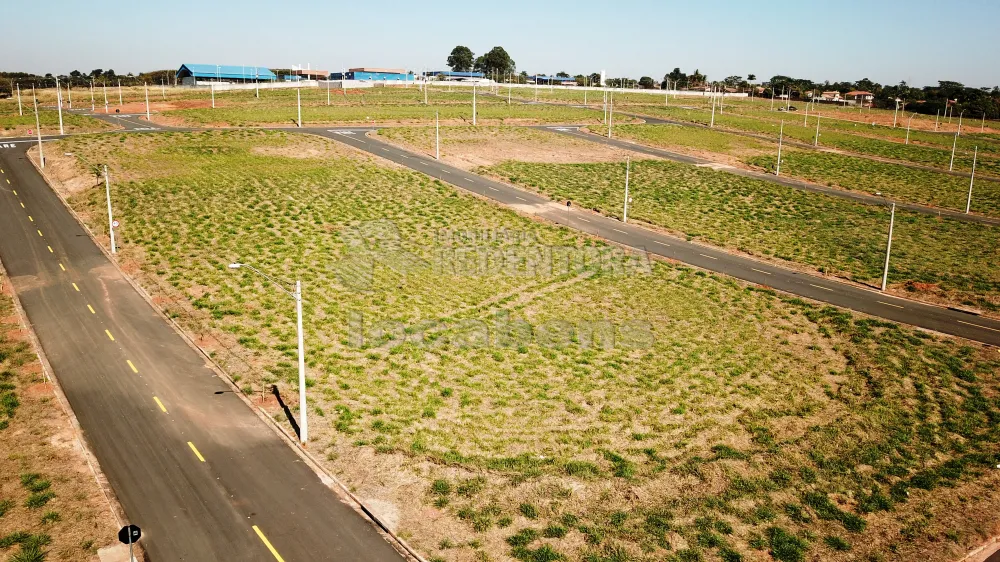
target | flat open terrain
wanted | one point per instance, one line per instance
(470, 147)
(939, 260)
(50, 505)
(382, 106)
(897, 182)
(499, 407)
(13, 124)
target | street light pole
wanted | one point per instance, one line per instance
(93, 104)
(781, 134)
(111, 220)
(712, 122)
(146, 88)
(960, 114)
(894, 113)
(611, 110)
(59, 105)
(968, 202)
(888, 248)
(298, 101)
(69, 92)
(628, 167)
(211, 86)
(121, 101)
(297, 295)
(19, 110)
(954, 143)
(473, 105)
(908, 128)
(437, 137)
(38, 127)
(816, 141)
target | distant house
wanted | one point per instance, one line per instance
(830, 96)
(860, 97)
(193, 74)
(557, 80)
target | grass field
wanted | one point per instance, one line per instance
(836, 170)
(50, 505)
(378, 105)
(12, 124)
(934, 259)
(723, 422)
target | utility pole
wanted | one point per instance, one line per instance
(816, 141)
(628, 166)
(59, 105)
(954, 143)
(772, 98)
(473, 105)
(437, 137)
(69, 92)
(611, 110)
(19, 110)
(298, 101)
(937, 115)
(908, 128)
(894, 113)
(111, 220)
(968, 202)
(211, 86)
(145, 87)
(960, 114)
(303, 420)
(105, 85)
(38, 127)
(120, 99)
(712, 122)
(888, 248)
(781, 134)
(93, 105)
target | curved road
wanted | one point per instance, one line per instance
(814, 287)
(191, 464)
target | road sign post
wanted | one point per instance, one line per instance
(130, 534)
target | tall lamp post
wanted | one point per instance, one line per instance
(888, 247)
(297, 295)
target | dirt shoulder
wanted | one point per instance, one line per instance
(49, 496)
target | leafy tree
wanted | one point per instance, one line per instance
(562, 74)
(595, 79)
(109, 74)
(697, 79)
(461, 59)
(751, 77)
(733, 81)
(96, 73)
(646, 83)
(496, 60)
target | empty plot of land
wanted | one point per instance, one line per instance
(618, 409)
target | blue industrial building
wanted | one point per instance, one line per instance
(374, 75)
(190, 73)
(450, 75)
(557, 80)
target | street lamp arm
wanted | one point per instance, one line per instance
(277, 283)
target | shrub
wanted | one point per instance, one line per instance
(786, 547)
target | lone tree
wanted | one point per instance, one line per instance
(461, 59)
(495, 61)
(646, 83)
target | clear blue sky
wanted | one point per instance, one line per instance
(918, 41)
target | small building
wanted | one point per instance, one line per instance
(556, 80)
(203, 74)
(369, 74)
(455, 76)
(830, 96)
(310, 74)
(860, 97)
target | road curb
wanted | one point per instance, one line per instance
(117, 511)
(341, 490)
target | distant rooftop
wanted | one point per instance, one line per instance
(382, 70)
(225, 71)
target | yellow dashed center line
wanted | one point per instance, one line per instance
(134, 370)
(820, 287)
(62, 267)
(30, 218)
(22, 204)
(75, 287)
(978, 326)
(50, 250)
(889, 304)
(112, 338)
(761, 271)
(91, 309)
(196, 453)
(267, 543)
(160, 404)
(39, 232)
(708, 256)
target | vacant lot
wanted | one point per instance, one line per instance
(380, 106)
(50, 505)
(12, 124)
(609, 412)
(469, 147)
(941, 260)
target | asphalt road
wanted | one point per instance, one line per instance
(197, 470)
(818, 288)
(787, 182)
